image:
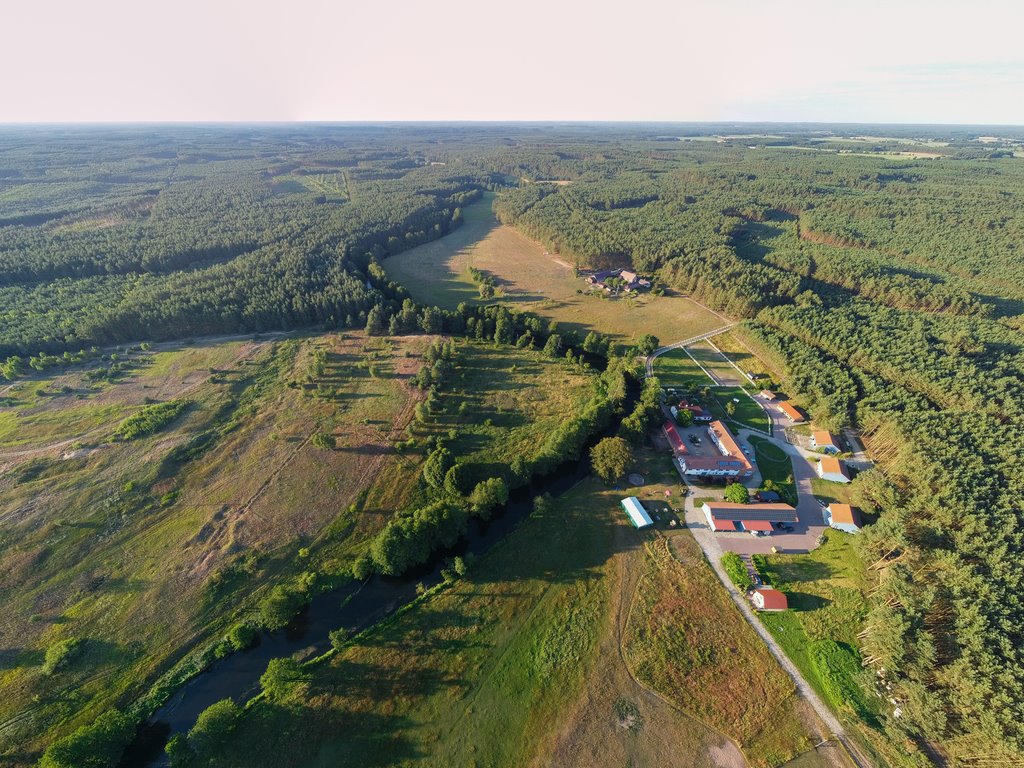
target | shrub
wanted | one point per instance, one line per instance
(61, 654)
(150, 419)
(281, 675)
(213, 726)
(324, 441)
(737, 571)
(611, 458)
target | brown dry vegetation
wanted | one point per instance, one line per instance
(531, 279)
(143, 557)
(685, 639)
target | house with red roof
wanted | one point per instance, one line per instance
(768, 599)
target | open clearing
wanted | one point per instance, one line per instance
(528, 278)
(520, 663)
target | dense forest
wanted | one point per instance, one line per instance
(884, 283)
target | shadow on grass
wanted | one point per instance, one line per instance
(805, 601)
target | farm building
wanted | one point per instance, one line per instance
(843, 517)
(768, 599)
(674, 440)
(824, 441)
(700, 416)
(831, 468)
(789, 411)
(637, 514)
(631, 281)
(731, 462)
(758, 519)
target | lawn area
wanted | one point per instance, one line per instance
(685, 639)
(515, 664)
(775, 466)
(717, 364)
(732, 346)
(677, 369)
(531, 279)
(830, 492)
(747, 414)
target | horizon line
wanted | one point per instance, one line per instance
(510, 121)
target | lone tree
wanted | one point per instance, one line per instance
(611, 458)
(737, 494)
(646, 344)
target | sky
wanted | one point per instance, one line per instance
(906, 61)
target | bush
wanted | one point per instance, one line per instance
(281, 606)
(213, 726)
(61, 654)
(150, 419)
(324, 441)
(242, 636)
(487, 495)
(737, 571)
(281, 675)
(611, 458)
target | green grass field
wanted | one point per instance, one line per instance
(775, 465)
(483, 673)
(686, 640)
(531, 279)
(677, 369)
(519, 664)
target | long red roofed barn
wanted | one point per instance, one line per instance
(758, 519)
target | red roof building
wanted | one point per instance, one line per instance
(768, 599)
(786, 409)
(678, 446)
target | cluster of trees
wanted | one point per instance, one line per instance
(485, 282)
(150, 419)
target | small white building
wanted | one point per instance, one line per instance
(824, 441)
(833, 469)
(843, 517)
(768, 599)
(637, 514)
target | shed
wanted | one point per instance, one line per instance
(843, 517)
(824, 441)
(767, 394)
(787, 409)
(637, 514)
(833, 469)
(768, 599)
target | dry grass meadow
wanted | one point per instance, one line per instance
(531, 279)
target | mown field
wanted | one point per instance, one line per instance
(142, 548)
(529, 278)
(518, 663)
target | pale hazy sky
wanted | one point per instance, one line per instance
(820, 60)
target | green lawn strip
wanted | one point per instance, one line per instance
(776, 468)
(676, 368)
(748, 413)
